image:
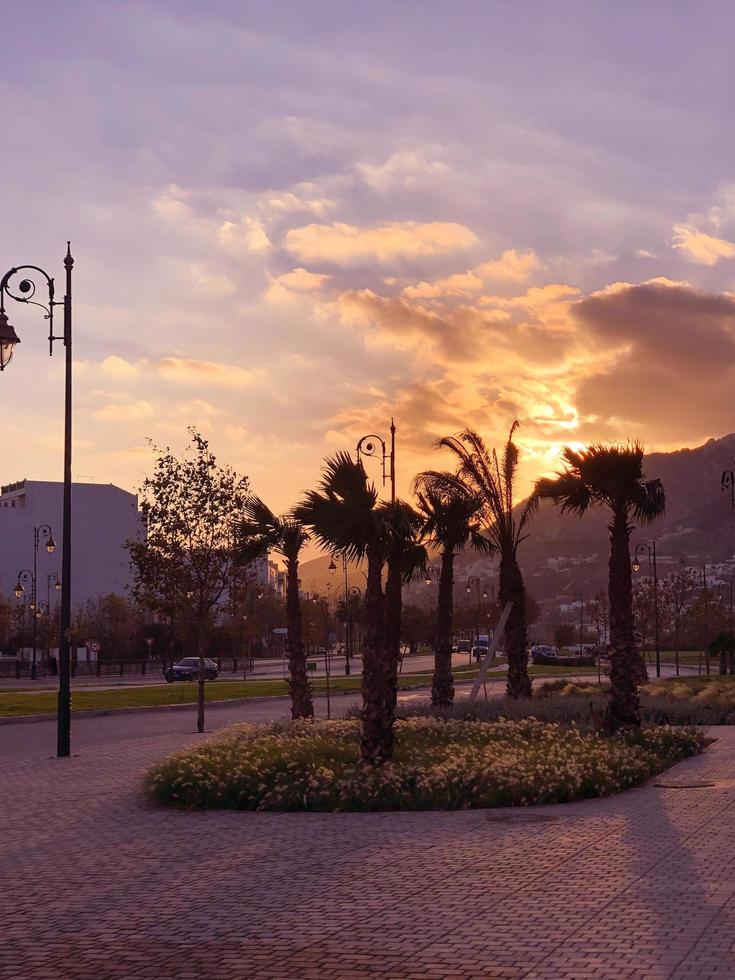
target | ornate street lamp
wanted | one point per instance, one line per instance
(8, 339)
(368, 446)
(432, 572)
(650, 550)
(25, 275)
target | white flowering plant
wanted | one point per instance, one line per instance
(439, 764)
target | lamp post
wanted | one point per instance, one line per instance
(51, 579)
(579, 597)
(650, 550)
(26, 575)
(705, 596)
(475, 581)
(42, 531)
(432, 572)
(368, 446)
(39, 532)
(8, 339)
(347, 592)
(353, 592)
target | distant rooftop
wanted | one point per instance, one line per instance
(21, 485)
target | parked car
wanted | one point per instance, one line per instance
(543, 653)
(188, 670)
(463, 646)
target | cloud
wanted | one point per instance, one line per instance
(125, 412)
(346, 245)
(171, 204)
(301, 279)
(287, 202)
(249, 236)
(211, 283)
(406, 169)
(512, 266)
(674, 368)
(700, 247)
(459, 284)
(205, 372)
(117, 367)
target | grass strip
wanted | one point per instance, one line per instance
(18, 703)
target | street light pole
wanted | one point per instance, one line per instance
(579, 597)
(43, 530)
(475, 580)
(650, 550)
(368, 446)
(8, 341)
(706, 617)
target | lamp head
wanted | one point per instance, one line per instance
(19, 590)
(636, 565)
(51, 544)
(58, 586)
(332, 567)
(8, 339)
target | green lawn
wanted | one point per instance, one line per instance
(15, 703)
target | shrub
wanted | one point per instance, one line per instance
(690, 701)
(440, 764)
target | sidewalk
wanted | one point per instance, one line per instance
(98, 883)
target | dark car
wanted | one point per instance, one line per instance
(188, 670)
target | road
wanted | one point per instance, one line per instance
(37, 740)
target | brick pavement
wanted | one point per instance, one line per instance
(97, 884)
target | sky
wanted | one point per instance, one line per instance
(292, 222)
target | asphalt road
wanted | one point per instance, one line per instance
(37, 740)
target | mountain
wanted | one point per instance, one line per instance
(566, 554)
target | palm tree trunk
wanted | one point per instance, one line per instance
(393, 609)
(516, 646)
(442, 688)
(623, 710)
(299, 688)
(378, 713)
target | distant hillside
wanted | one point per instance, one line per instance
(564, 554)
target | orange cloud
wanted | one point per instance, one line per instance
(205, 372)
(700, 247)
(512, 266)
(344, 244)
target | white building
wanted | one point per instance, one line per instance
(104, 517)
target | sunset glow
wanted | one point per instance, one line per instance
(291, 225)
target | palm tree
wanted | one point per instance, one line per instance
(405, 557)
(344, 517)
(260, 532)
(493, 479)
(612, 476)
(451, 519)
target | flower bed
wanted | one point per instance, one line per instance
(439, 764)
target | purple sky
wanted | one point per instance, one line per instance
(293, 220)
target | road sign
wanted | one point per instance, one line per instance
(280, 631)
(311, 665)
(94, 646)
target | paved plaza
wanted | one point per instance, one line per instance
(96, 883)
